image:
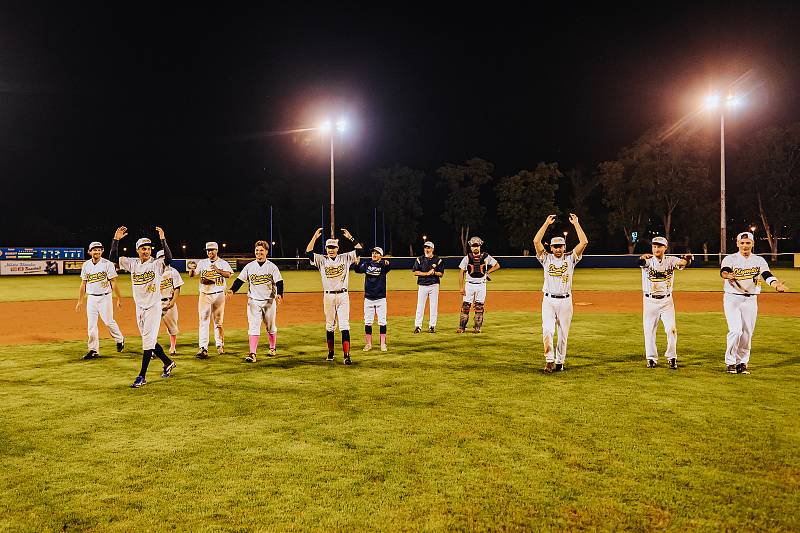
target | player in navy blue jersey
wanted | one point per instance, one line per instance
(374, 270)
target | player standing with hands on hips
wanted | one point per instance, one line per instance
(658, 272)
(429, 269)
(97, 281)
(559, 269)
(264, 294)
(146, 275)
(213, 273)
(374, 270)
(475, 269)
(741, 271)
(335, 270)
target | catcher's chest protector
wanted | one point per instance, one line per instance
(476, 268)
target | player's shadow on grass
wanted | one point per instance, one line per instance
(790, 361)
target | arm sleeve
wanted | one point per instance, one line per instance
(113, 254)
(167, 252)
(237, 284)
(642, 262)
(312, 258)
(416, 267)
(387, 266)
(725, 269)
(768, 277)
(279, 285)
(361, 267)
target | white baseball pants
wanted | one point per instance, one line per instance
(259, 311)
(556, 318)
(664, 310)
(425, 292)
(337, 311)
(372, 308)
(211, 307)
(170, 319)
(103, 307)
(149, 322)
(475, 291)
(741, 313)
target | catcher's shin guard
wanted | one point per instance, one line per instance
(465, 307)
(478, 315)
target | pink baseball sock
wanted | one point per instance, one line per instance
(369, 338)
(383, 338)
(253, 343)
(172, 340)
(273, 339)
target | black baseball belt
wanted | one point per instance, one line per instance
(556, 295)
(745, 294)
(340, 291)
(104, 294)
(657, 296)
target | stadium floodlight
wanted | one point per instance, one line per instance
(327, 128)
(712, 101)
(341, 125)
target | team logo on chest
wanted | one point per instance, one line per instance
(744, 273)
(259, 279)
(557, 271)
(166, 284)
(94, 278)
(659, 275)
(334, 271)
(143, 278)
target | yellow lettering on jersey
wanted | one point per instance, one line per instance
(557, 271)
(259, 279)
(94, 278)
(166, 283)
(216, 277)
(334, 271)
(745, 273)
(144, 278)
(658, 275)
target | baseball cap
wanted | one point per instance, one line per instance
(144, 241)
(160, 254)
(95, 244)
(332, 242)
(745, 235)
(212, 246)
(555, 241)
(475, 240)
(428, 243)
(660, 240)
(377, 249)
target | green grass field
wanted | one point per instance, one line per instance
(18, 288)
(444, 432)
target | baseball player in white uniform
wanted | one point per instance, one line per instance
(264, 294)
(475, 269)
(146, 275)
(213, 273)
(171, 283)
(97, 283)
(740, 301)
(335, 269)
(658, 281)
(559, 269)
(428, 269)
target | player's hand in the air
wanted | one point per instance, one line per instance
(120, 234)
(160, 233)
(550, 219)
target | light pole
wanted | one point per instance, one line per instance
(713, 102)
(327, 127)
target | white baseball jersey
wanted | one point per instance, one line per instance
(97, 276)
(476, 274)
(747, 271)
(145, 280)
(658, 277)
(204, 271)
(170, 281)
(335, 272)
(558, 272)
(261, 280)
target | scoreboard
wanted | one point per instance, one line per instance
(41, 253)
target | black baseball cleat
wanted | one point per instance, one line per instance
(673, 364)
(250, 358)
(549, 367)
(120, 346)
(417, 329)
(730, 369)
(202, 354)
(139, 382)
(651, 363)
(559, 367)
(330, 356)
(91, 354)
(168, 369)
(432, 329)
(741, 368)
(347, 360)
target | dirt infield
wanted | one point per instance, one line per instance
(51, 321)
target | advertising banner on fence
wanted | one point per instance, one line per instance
(27, 268)
(72, 267)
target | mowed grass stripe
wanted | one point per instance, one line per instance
(442, 432)
(33, 288)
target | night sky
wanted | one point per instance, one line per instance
(151, 115)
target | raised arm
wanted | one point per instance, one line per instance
(349, 236)
(582, 239)
(113, 254)
(167, 252)
(310, 247)
(537, 239)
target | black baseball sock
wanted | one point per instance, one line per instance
(145, 362)
(159, 351)
(329, 335)
(368, 329)
(346, 341)
(383, 330)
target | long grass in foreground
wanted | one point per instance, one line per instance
(442, 432)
